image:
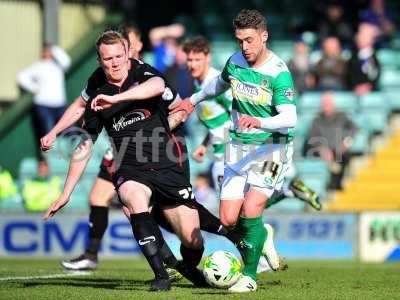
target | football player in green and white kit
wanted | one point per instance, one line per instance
(261, 146)
(215, 116)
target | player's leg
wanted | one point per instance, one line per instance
(214, 225)
(184, 220)
(100, 196)
(166, 253)
(136, 197)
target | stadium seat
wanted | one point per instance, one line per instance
(315, 173)
(389, 79)
(388, 58)
(392, 96)
(375, 107)
(309, 103)
(317, 183)
(304, 121)
(374, 100)
(346, 102)
(361, 142)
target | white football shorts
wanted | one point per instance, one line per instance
(262, 167)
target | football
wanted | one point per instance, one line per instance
(222, 269)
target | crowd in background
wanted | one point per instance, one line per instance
(346, 61)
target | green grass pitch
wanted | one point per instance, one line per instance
(126, 279)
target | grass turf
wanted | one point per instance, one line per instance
(126, 279)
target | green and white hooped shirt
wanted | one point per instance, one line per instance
(215, 113)
(256, 92)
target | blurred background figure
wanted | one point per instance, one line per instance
(164, 40)
(178, 75)
(330, 70)
(300, 66)
(330, 137)
(378, 15)
(132, 33)
(45, 79)
(205, 194)
(334, 24)
(363, 67)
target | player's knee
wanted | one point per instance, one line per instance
(96, 200)
(193, 240)
(228, 220)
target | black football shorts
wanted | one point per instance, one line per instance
(170, 187)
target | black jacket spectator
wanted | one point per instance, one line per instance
(363, 69)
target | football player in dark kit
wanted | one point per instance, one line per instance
(103, 189)
(150, 167)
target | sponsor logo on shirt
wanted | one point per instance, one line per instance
(256, 94)
(130, 118)
(289, 93)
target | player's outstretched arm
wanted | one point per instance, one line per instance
(73, 113)
(77, 165)
(212, 89)
(286, 118)
(146, 90)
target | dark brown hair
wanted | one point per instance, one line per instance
(127, 28)
(196, 44)
(109, 37)
(250, 18)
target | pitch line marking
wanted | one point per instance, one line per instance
(60, 275)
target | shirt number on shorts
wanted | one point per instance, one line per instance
(186, 193)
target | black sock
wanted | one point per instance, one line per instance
(98, 222)
(209, 222)
(166, 253)
(147, 235)
(191, 257)
(167, 256)
(233, 235)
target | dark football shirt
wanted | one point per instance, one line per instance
(139, 130)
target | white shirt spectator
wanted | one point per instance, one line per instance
(45, 79)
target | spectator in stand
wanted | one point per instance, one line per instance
(378, 15)
(45, 79)
(334, 24)
(330, 137)
(178, 76)
(164, 42)
(300, 66)
(330, 70)
(205, 194)
(363, 67)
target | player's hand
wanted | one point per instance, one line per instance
(199, 153)
(102, 102)
(184, 105)
(55, 207)
(247, 122)
(46, 142)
